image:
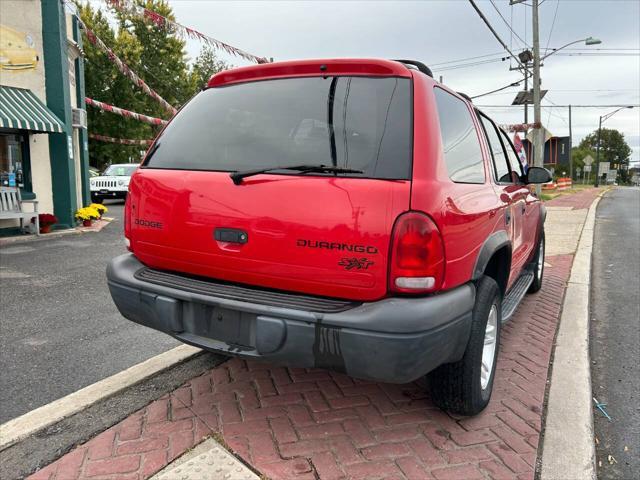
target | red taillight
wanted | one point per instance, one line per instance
(417, 255)
(127, 224)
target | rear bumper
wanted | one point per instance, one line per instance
(394, 340)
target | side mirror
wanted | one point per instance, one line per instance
(537, 175)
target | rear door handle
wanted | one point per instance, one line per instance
(524, 208)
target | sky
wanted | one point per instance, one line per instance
(439, 32)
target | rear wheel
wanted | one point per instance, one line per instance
(464, 387)
(538, 267)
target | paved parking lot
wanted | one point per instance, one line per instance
(60, 328)
(296, 423)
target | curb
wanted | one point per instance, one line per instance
(39, 419)
(56, 233)
(568, 446)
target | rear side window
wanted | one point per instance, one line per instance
(462, 152)
(516, 165)
(501, 163)
(360, 123)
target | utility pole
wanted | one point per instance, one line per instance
(538, 132)
(570, 147)
(526, 89)
(597, 182)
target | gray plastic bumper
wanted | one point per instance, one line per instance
(394, 340)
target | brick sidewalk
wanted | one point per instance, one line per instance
(306, 424)
(576, 201)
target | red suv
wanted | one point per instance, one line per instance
(346, 214)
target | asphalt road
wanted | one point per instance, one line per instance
(59, 329)
(615, 333)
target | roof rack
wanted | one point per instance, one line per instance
(467, 97)
(419, 65)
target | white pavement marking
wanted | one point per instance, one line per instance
(207, 461)
(568, 447)
(19, 428)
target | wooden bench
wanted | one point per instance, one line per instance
(11, 207)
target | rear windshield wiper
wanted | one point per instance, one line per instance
(238, 176)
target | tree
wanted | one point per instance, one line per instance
(105, 83)
(577, 157)
(156, 54)
(162, 62)
(207, 64)
(613, 149)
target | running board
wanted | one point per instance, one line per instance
(515, 295)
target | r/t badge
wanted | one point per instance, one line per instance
(355, 263)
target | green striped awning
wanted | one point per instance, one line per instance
(21, 109)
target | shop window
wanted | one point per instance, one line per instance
(14, 162)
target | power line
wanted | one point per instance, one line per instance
(583, 90)
(495, 34)
(514, 84)
(553, 24)
(466, 59)
(466, 65)
(513, 32)
(603, 54)
(591, 49)
(554, 114)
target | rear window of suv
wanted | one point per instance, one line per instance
(360, 123)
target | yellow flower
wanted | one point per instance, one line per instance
(101, 208)
(87, 213)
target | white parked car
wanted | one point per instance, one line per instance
(113, 183)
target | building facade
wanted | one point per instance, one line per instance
(43, 136)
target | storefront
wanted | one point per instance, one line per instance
(43, 138)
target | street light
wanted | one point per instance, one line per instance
(603, 118)
(538, 140)
(587, 41)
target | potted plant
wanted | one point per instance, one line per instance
(100, 208)
(86, 215)
(46, 220)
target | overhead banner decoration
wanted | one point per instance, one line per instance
(121, 141)
(105, 107)
(520, 127)
(129, 7)
(124, 68)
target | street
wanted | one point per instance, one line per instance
(60, 329)
(615, 333)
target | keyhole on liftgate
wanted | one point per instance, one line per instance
(219, 317)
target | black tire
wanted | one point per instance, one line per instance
(456, 387)
(537, 266)
(96, 199)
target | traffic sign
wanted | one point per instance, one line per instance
(588, 160)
